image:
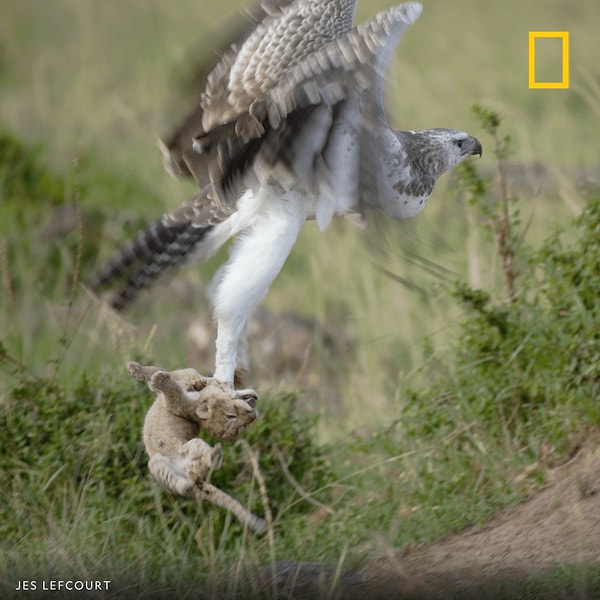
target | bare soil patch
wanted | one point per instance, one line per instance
(559, 526)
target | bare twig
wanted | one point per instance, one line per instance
(503, 227)
(5, 271)
(79, 253)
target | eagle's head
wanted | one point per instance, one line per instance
(415, 162)
(446, 148)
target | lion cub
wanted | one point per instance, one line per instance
(186, 403)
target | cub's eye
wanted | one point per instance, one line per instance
(231, 417)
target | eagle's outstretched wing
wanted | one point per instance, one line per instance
(249, 122)
(234, 125)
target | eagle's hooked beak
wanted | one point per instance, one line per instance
(472, 146)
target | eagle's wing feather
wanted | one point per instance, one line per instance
(246, 126)
(353, 62)
(178, 156)
(285, 37)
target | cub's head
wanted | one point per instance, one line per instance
(224, 412)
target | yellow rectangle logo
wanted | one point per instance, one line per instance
(548, 85)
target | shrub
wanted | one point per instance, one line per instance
(526, 364)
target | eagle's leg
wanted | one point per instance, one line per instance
(255, 261)
(242, 361)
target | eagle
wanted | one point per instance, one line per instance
(291, 126)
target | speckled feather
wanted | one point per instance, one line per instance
(279, 42)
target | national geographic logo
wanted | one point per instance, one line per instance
(563, 83)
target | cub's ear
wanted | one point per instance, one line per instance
(203, 411)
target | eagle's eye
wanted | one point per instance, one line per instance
(459, 143)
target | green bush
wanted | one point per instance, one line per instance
(23, 176)
(518, 388)
(49, 431)
(526, 364)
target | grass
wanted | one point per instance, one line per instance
(421, 444)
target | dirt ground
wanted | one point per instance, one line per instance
(558, 526)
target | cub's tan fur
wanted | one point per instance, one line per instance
(187, 402)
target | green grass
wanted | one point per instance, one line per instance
(447, 393)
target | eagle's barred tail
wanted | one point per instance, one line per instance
(155, 251)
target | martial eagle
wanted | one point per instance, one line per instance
(291, 126)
